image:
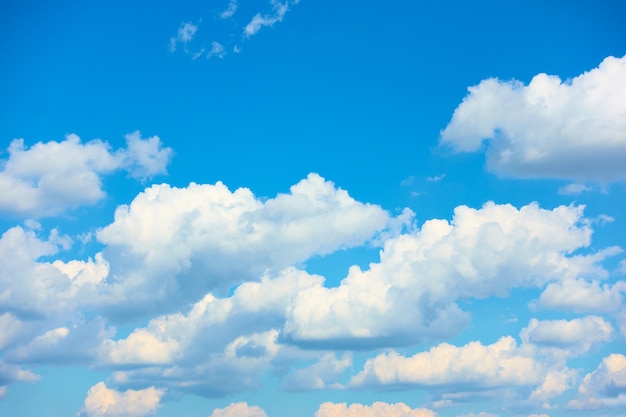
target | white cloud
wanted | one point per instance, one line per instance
(436, 178)
(573, 337)
(378, 409)
(579, 295)
(572, 130)
(481, 414)
(145, 158)
(72, 344)
(217, 50)
(234, 336)
(104, 402)
(185, 34)
(320, 375)
(410, 295)
(230, 10)
(260, 20)
(241, 409)
(176, 243)
(604, 387)
(574, 189)
(502, 363)
(52, 177)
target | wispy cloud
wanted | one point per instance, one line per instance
(436, 178)
(230, 10)
(185, 34)
(574, 189)
(260, 20)
(217, 50)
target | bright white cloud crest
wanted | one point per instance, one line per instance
(104, 402)
(574, 129)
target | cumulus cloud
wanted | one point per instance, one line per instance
(411, 294)
(185, 34)
(279, 10)
(241, 409)
(104, 402)
(573, 129)
(579, 295)
(175, 243)
(378, 409)
(502, 363)
(219, 346)
(573, 337)
(604, 387)
(49, 178)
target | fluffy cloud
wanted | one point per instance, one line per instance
(604, 387)
(574, 129)
(574, 189)
(279, 10)
(579, 295)
(219, 346)
(410, 295)
(104, 402)
(77, 343)
(239, 410)
(49, 178)
(378, 409)
(175, 243)
(502, 363)
(573, 337)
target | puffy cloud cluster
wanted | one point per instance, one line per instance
(104, 402)
(378, 409)
(176, 243)
(411, 294)
(214, 270)
(573, 129)
(49, 178)
(604, 387)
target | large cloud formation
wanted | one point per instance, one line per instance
(573, 129)
(217, 281)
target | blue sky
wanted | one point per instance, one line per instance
(308, 208)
